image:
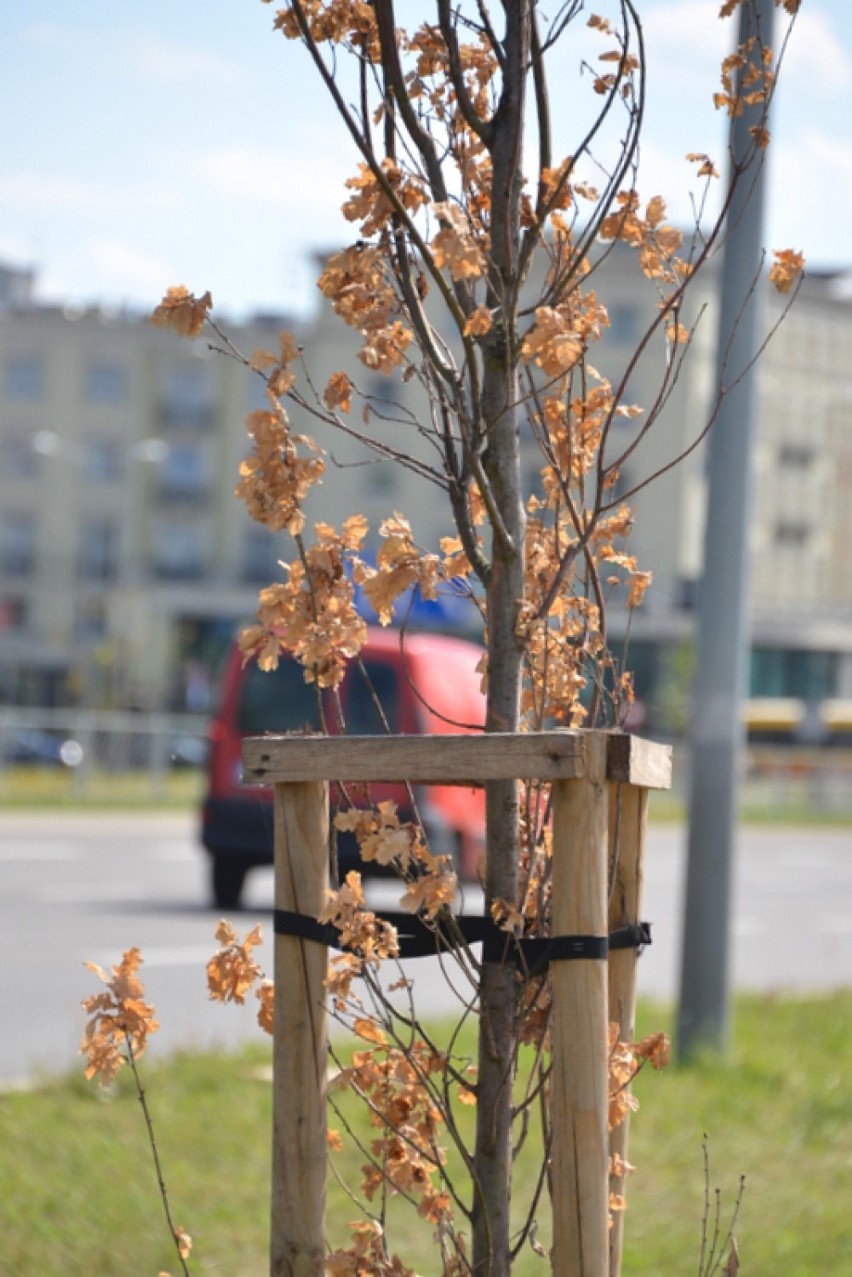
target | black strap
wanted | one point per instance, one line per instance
(634, 936)
(306, 928)
(418, 939)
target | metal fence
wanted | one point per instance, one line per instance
(103, 743)
(787, 781)
(93, 746)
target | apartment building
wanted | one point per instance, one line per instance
(123, 551)
(802, 519)
(125, 558)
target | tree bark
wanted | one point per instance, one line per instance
(497, 1031)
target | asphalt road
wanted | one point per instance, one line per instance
(78, 887)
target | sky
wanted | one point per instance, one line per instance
(162, 143)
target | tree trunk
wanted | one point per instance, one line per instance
(492, 1157)
(497, 1031)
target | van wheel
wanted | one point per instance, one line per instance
(227, 879)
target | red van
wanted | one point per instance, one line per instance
(430, 684)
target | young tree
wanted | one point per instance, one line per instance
(480, 234)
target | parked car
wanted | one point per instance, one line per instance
(188, 751)
(39, 746)
(430, 685)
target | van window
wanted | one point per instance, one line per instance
(362, 717)
(277, 701)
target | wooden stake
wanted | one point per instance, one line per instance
(628, 820)
(580, 764)
(580, 1089)
(297, 1237)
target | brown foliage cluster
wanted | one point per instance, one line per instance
(433, 296)
(415, 238)
(119, 1019)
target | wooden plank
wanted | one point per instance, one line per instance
(299, 1053)
(636, 761)
(580, 1148)
(628, 813)
(448, 760)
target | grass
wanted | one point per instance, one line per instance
(44, 788)
(757, 808)
(780, 1113)
(78, 1194)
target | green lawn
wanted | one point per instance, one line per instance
(78, 1194)
(44, 788)
(759, 806)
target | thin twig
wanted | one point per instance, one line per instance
(152, 1141)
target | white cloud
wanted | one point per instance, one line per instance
(138, 51)
(129, 269)
(107, 270)
(667, 173)
(688, 40)
(15, 250)
(290, 180)
(166, 60)
(45, 33)
(41, 190)
(810, 186)
(811, 172)
(816, 58)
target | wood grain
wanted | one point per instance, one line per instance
(628, 811)
(580, 1072)
(299, 1053)
(453, 760)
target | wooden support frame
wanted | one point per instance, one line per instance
(300, 1046)
(628, 818)
(453, 760)
(580, 1102)
(600, 783)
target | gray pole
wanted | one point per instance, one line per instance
(716, 735)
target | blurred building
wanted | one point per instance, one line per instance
(802, 521)
(801, 555)
(125, 559)
(124, 556)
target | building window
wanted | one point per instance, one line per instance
(20, 457)
(531, 476)
(183, 475)
(23, 377)
(179, 550)
(91, 620)
(792, 534)
(624, 481)
(188, 393)
(13, 616)
(106, 383)
(103, 460)
(17, 543)
(795, 456)
(776, 671)
(261, 552)
(623, 324)
(381, 479)
(386, 395)
(98, 549)
(688, 594)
